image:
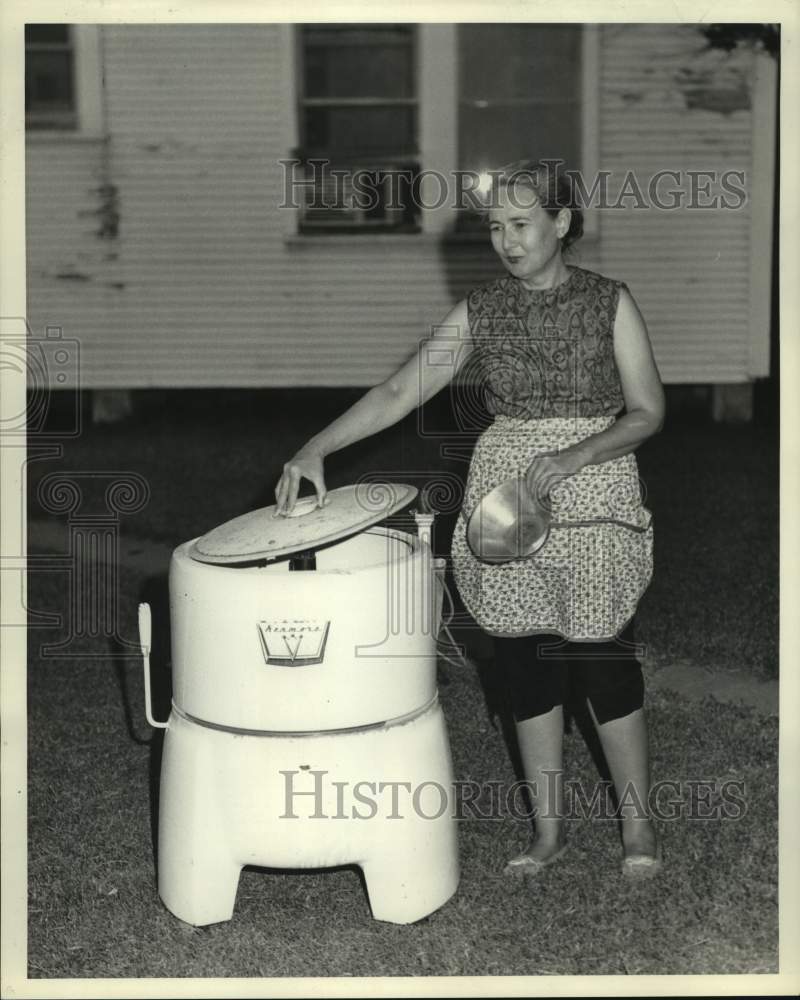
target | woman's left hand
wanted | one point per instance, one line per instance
(547, 471)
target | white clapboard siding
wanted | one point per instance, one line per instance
(214, 292)
(202, 286)
(688, 268)
(72, 269)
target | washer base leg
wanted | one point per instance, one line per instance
(197, 888)
(395, 894)
(198, 873)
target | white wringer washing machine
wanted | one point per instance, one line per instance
(305, 729)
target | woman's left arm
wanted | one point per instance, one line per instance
(644, 406)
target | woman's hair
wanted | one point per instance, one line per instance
(553, 186)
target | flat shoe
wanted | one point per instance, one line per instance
(640, 866)
(524, 864)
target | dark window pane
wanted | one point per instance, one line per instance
(354, 34)
(520, 93)
(48, 81)
(41, 34)
(527, 61)
(353, 135)
(358, 111)
(491, 137)
(49, 86)
(359, 71)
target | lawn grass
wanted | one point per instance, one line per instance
(93, 762)
(94, 909)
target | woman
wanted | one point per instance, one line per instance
(562, 353)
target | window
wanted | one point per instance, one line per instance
(520, 96)
(50, 77)
(63, 81)
(358, 116)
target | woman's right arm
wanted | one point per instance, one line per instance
(430, 369)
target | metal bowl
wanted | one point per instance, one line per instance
(507, 524)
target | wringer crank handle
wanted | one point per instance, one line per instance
(145, 641)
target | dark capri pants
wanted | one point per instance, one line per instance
(538, 678)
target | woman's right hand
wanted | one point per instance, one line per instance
(306, 464)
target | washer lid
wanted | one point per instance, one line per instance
(263, 535)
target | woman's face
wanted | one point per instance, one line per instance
(524, 235)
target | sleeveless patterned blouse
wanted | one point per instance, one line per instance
(546, 365)
(542, 354)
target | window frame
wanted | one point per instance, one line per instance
(87, 88)
(307, 226)
(61, 118)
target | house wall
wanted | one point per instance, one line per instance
(73, 262)
(163, 249)
(668, 105)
